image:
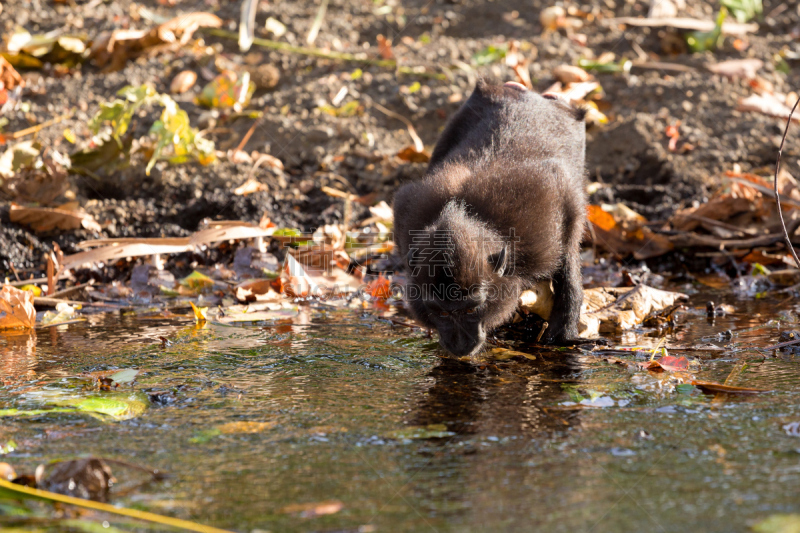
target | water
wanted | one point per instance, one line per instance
(267, 423)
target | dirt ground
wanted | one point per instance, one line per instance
(356, 154)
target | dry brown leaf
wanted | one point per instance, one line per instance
(737, 68)
(571, 74)
(767, 104)
(16, 308)
(708, 386)
(385, 47)
(723, 207)
(620, 308)
(574, 92)
(620, 230)
(122, 251)
(229, 230)
(41, 219)
(410, 154)
(113, 49)
(9, 77)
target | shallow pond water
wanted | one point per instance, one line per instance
(269, 426)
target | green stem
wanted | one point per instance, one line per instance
(336, 56)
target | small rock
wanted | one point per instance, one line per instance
(318, 135)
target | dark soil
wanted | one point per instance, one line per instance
(629, 154)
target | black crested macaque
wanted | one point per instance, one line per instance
(502, 206)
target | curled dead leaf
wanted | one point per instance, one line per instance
(16, 308)
(571, 74)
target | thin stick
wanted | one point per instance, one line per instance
(70, 290)
(775, 184)
(14, 270)
(314, 31)
(541, 333)
(249, 134)
(418, 146)
(39, 127)
(285, 47)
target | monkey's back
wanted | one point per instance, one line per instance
(516, 160)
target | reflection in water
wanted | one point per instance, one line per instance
(497, 399)
(296, 412)
(18, 356)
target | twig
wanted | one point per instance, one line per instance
(418, 145)
(14, 270)
(70, 290)
(775, 184)
(336, 56)
(249, 134)
(39, 127)
(314, 31)
(44, 301)
(285, 47)
(32, 281)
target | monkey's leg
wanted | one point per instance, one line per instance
(567, 301)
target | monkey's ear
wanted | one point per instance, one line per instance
(498, 261)
(409, 257)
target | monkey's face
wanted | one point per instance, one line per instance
(461, 331)
(463, 317)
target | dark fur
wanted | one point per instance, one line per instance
(507, 159)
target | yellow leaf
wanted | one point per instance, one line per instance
(199, 312)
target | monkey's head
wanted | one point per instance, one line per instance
(460, 279)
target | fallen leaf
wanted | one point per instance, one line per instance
(113, 49)
(64, 313)
(410, 154)
(502, 354)
(767, 104)
(571, 74)
(42, 219)
(9, 77)
(124, 376)
(380, 288)
(620, 308)
(16, 308)
(737, 68)
(708, 386)
(227, 90)
(668, 363)
(197, 282)
(621, 231)
(385, 47)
